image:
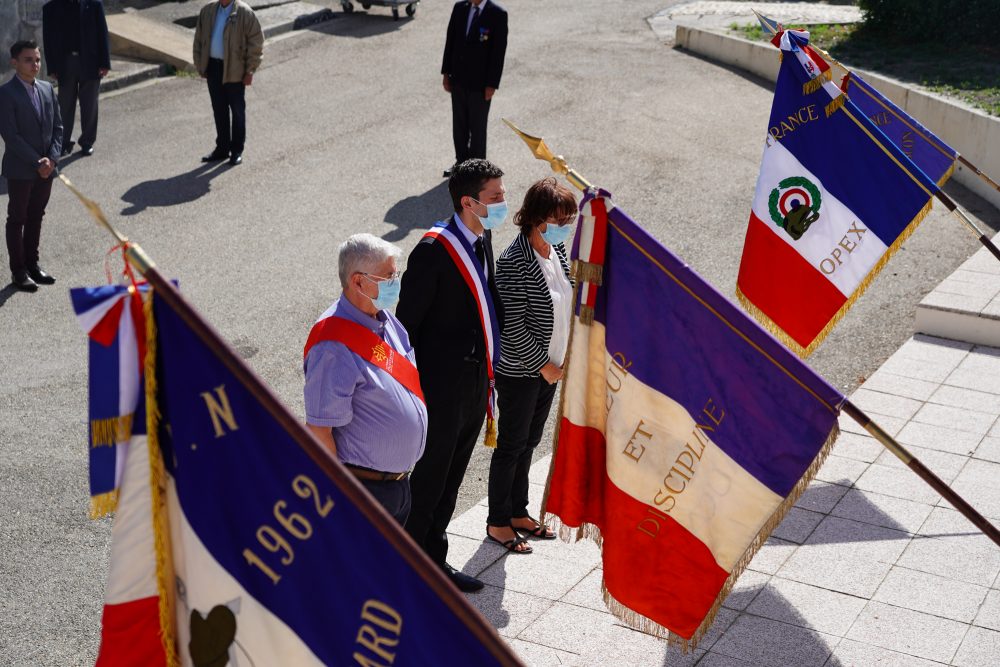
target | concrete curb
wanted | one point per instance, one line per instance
(973, 133)
(144, 73)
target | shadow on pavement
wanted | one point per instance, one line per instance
(360, 24)
(172, 191)
(417, 211)
(6, 293)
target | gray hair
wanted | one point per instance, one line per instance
(363, 253)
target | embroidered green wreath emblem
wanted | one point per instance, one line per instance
(794, 205)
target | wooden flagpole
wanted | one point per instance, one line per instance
(559, 165)
(948, 202)
(334, 469)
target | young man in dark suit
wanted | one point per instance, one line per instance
(441, 309)
(474, 50)
(32, 135)
(78, 55)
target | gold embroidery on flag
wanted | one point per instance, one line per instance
(103, 504)
(832, 107)
(588, 272)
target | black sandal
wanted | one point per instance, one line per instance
(511, 545)
(541, 531)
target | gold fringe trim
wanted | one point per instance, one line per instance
(765, 321)
(110, 431)
(103, 504)
(944, 177)
(491, 434)
(586, 315)
(643, 624)
(588, 272)
(832, 107)
(157, 485)
(814, 84)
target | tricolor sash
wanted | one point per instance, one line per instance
(367, 345)
(473, 274)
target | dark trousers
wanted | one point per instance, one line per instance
(25, 209)
(227, 98)
(394, 496)
(71, 89)
(469, 112)
(454, 420)
(524, 405)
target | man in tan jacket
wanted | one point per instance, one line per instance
(228, 45)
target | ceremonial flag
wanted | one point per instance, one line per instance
(686, 431)
(934, 157)
(834, 201)
(264, 551)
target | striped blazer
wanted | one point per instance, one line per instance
(527, 328)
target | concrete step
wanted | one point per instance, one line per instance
(127, 72)
(966, 305)
(136, 36)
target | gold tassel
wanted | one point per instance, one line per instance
(833, 106)
(814, 84)
(103, 504)
(586, 315)
(109, 432)
(157, 485)
(588, 272)
(491, 433)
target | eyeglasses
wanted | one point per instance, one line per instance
(377, 279)
(568, 220)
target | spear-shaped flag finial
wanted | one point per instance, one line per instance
(770, 26)
(557, 162)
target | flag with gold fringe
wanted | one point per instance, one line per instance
(834, 201)
(686, 431)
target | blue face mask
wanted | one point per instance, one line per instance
(388, 293)
(555, 234)
(495, 214)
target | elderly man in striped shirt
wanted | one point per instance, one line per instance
(362, 391)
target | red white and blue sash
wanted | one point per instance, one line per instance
(474, 275)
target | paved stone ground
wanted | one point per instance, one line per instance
(871, 567)
(349, 130)
(719, 15)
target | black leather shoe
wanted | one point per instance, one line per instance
(463, 582)
(236, 159)
(215, 156)
(38, 275)
(86, 151)
(24, 283)
(68, 147)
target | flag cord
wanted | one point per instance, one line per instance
(914, 464)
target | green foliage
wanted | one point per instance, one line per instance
(914, 21)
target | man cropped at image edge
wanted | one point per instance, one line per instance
(362, 391)
(474, 51)
(78, 55)
(32, 130)
(228, 46)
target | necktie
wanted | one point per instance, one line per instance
(36, 101)
(475, 15)
(480, 252)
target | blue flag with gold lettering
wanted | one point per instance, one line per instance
(268, 552)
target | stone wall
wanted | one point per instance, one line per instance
(19, 19)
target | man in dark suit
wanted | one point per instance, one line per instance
(473, 63)
(32, 135)
(451, 339)
(78, 55)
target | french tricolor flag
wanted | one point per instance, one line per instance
(835, 199)
(686, 430)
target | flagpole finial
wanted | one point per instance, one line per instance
(136, 255)
(558, 163)
(770, 26)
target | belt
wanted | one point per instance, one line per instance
(376, 475)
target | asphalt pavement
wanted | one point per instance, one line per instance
(349, 130)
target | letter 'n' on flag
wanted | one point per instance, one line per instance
(686, 430)
(834, 200)
(249, 544)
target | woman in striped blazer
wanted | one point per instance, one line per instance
(534, 285)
